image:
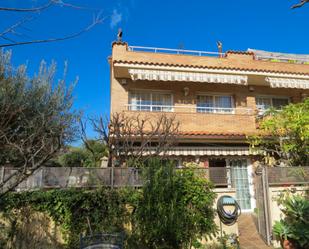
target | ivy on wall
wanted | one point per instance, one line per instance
(75, 211)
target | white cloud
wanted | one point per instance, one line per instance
(115, 18)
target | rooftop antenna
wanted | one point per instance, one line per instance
(119, 35)
(219, 45)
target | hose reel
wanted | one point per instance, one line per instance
(228, 211)
(227, 216)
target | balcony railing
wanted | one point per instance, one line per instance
(259, 55)
(190, 109)
(174, 51)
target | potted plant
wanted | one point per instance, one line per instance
(292, 230)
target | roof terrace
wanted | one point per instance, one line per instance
(251, 62)
(258, 54)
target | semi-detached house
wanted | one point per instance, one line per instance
(217, 98)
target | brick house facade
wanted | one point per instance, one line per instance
(216, 99)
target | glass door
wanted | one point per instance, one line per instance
(240, 181)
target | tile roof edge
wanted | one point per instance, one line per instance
(210, 67)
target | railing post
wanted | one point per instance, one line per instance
(42, 175)
(112, 176)
(2, 175)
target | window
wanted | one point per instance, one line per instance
(156, 102)
(264, 103)
(214, 104)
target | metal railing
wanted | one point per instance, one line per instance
(266, 57)
(78, 177)
(191, 109)
(174, 51)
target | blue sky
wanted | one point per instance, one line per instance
(196, 24)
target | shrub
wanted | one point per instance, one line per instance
(174, 208)
(295, 224)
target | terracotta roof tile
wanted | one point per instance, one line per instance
(239, 52)
(212, 134)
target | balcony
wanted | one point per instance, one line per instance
(200, 119)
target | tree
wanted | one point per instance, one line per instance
(37, 119)
(284, 137)
(89, 154)
(174, 209)
(300, 4)
(132, 139)
(74, 157)
(15, 35)
(95, 150)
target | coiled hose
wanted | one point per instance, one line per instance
(226, 217)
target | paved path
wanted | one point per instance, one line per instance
(249, 237)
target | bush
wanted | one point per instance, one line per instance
(174, 208)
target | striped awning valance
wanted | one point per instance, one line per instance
(206, 151)
(287, 83)
(162, 75)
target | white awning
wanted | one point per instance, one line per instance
(287, 83)
(162, 75)
(205, 151)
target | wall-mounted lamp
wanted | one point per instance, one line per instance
(186, 91)
(123, 81)
(251, 89)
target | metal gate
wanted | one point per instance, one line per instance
(262, 204)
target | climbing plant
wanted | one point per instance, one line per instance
(75, 211)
